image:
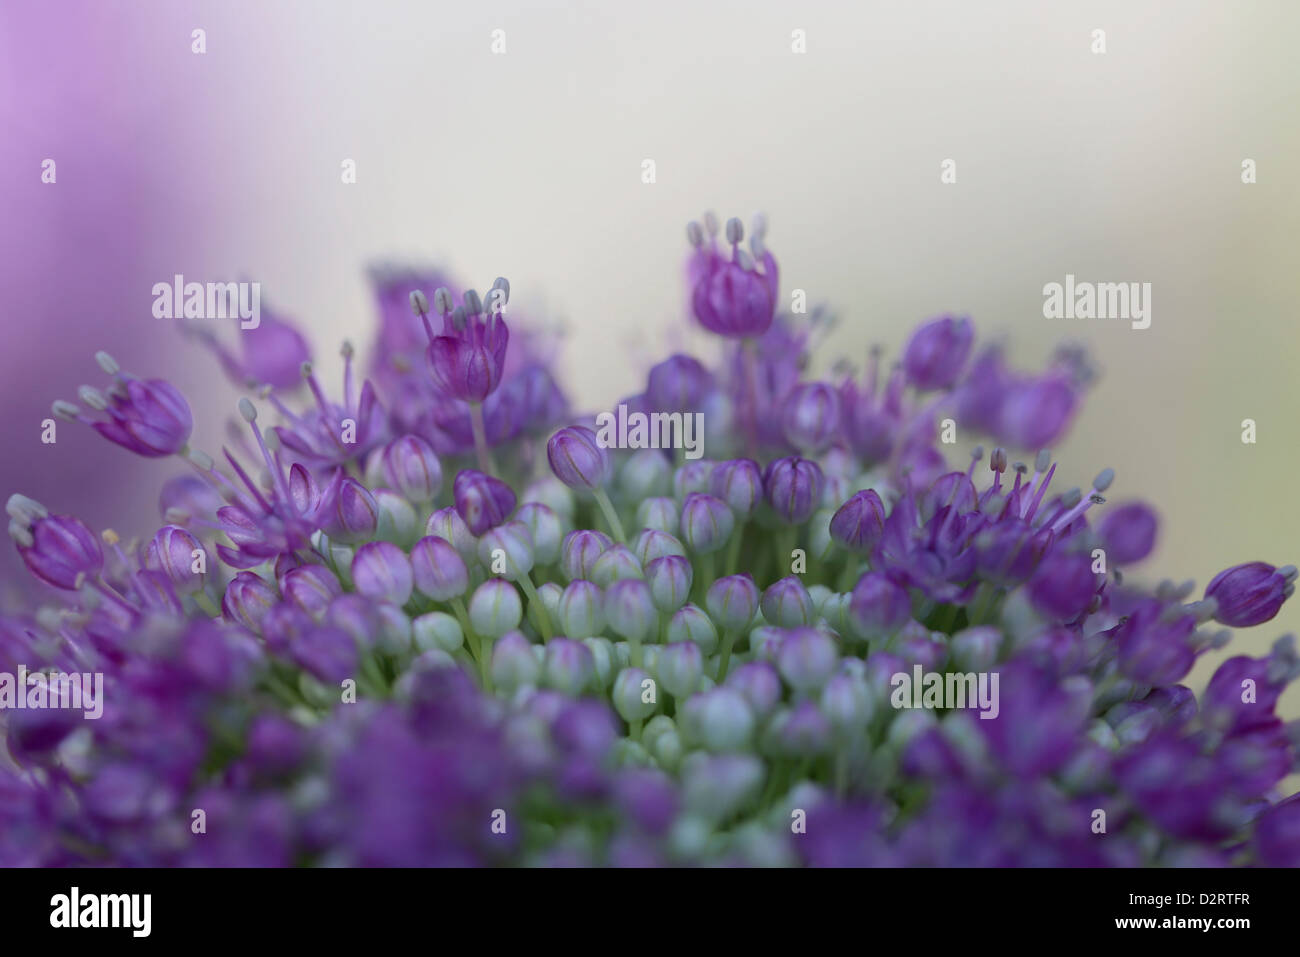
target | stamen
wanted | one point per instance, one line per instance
(248, 482)
(24, 509)
(92, 397)
(67, 411)
(349, 380)
(249, 412)
(107, 363)
(21, 534)
(735, 231)
(1032, 510)
(419, 303)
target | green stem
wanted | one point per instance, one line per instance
(535, 601)
(786, 542)
(728, 641)
(733, 549)
(706, 576)
(611, 516)
(485, 463)
(202, 599)
(477, 645)
(848, 577)
(984, 597)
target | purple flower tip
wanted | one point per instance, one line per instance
(1250, 594)
(577, 458)
(482, 501)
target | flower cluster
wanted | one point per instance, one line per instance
(386, 631)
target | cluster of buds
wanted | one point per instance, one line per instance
(404, 637)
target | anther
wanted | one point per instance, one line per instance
(1103, 479)
(735, 231)
(247, 410)
(92, 397)
(419, 303)
(694, 235)
(21, 535)
(107, 363)
(23, 509)
(67, 411)
(442, 300)
(998, 460)
(473, 304)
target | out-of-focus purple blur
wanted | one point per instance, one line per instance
(100, 89)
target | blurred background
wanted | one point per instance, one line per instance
(1122, 166)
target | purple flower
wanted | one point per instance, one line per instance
(732, 601)
(1277, 834)
(467, 360)
(1064, 586)
(312, 588)
(247, 600)
(678, 384)
(579, 551)
(735, 297)
(438, 570)
(482, 501)
(409, 466)
(879, 606)
(1154, 644)
(812, 417)
(272, 354)
(577, 458)
(58, 549)
(706, 523)
(794, 488)
(147, 417)
(1250, 594)
(174, 552)
(1128, 532)
(739, 483)
(859, 523)
(787, 604)
(937, 351)
(382, 572)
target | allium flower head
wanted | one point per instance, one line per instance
(639, 656)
